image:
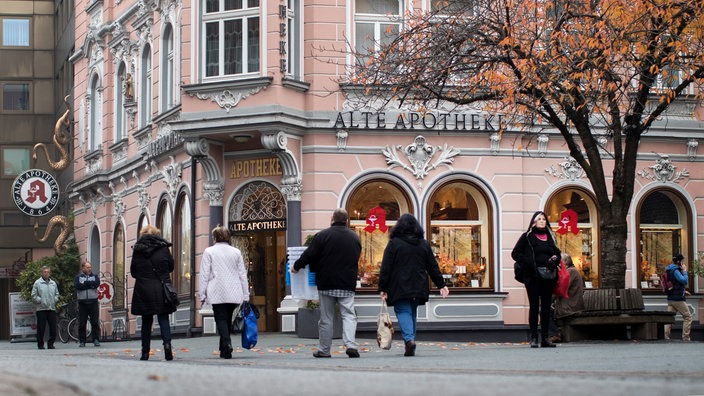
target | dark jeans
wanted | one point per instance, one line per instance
(539, 299)
(44, 317)
(86, 309)
(164, 329)
(222, 313)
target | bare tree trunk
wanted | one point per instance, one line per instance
(613, 237)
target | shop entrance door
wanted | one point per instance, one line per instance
(264, 254)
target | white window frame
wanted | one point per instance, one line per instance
(377, 20)
(120, 113)
(94, 114)
(167, 69)
(145, 85)
(244, 14)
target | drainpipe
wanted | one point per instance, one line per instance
(192, 319)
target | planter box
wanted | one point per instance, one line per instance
(307, 323)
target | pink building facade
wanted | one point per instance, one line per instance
(194, 114)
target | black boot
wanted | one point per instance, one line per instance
(145, 355)
(168, 353)
(534, 342)
(546, 343)
(226, 351)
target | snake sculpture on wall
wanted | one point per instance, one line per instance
(61, 138)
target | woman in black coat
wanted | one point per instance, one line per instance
(151, 262)
(403, 278)
(536, 248)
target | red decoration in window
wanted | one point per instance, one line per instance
(568, 222)
(376, 219)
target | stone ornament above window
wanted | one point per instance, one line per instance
(569, 170)
(228, 99)
(419, 155)
(663, 171)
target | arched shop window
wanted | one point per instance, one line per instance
(143, 221)
(664, 230)
(182, 244)
(572, 213)
(164, 223)
(459, 233)
(118, 267)
(374, 207)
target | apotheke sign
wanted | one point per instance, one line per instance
(35, 192)
(257, 225)
(413, 120)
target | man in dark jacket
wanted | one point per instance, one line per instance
(333, 255)
(676, 299)
(87, 283)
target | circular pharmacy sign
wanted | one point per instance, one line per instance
(35, 192)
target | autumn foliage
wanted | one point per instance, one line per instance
(583, 69)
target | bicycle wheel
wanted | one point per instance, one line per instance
(62, 328)
(73, 329)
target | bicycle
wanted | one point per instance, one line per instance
(68, 324)
(69, 312)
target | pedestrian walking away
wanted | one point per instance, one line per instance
(86, 284)
(677, 297)
(403, 278)
(45, 293)
(534, 251)
(223, 284)
(333, 255)
(151, 264)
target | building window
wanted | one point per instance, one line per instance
(293, 37)
(164, 223)
(663, 218)
(94, 115)
(118, 270)
(120, 113)
(15, 32)
(143, 221)
(15, 160)
(182, 245)
(15, 96)
(145, 97)
(376, 25)
(167, 71)
(459, 231)
(232, 37)
(374, 207)
(572, 214)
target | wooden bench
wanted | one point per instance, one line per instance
(614, 314)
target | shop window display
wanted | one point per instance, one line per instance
(373, 208)
(662, 234)
(459, 231)
(572, 215)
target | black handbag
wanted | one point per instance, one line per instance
(547, 273)
(169, 291)
(170, 294)
(237, 321)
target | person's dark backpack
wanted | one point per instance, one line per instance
(666, 283)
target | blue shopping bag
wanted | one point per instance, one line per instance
(250, 314)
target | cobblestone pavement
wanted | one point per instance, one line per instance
(282, 364)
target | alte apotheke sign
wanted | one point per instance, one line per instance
(416, 120)
(35, 192)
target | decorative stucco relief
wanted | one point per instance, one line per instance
(663, 171)
(172, 177)
(569, 170)
(419, 154)
(692, 148)
(228, 99)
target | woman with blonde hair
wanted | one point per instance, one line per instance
(151, 263)
(223, 284)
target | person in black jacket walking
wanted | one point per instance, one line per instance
(536, 248)
(403, 278)
(333, 255)
(151, 262)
